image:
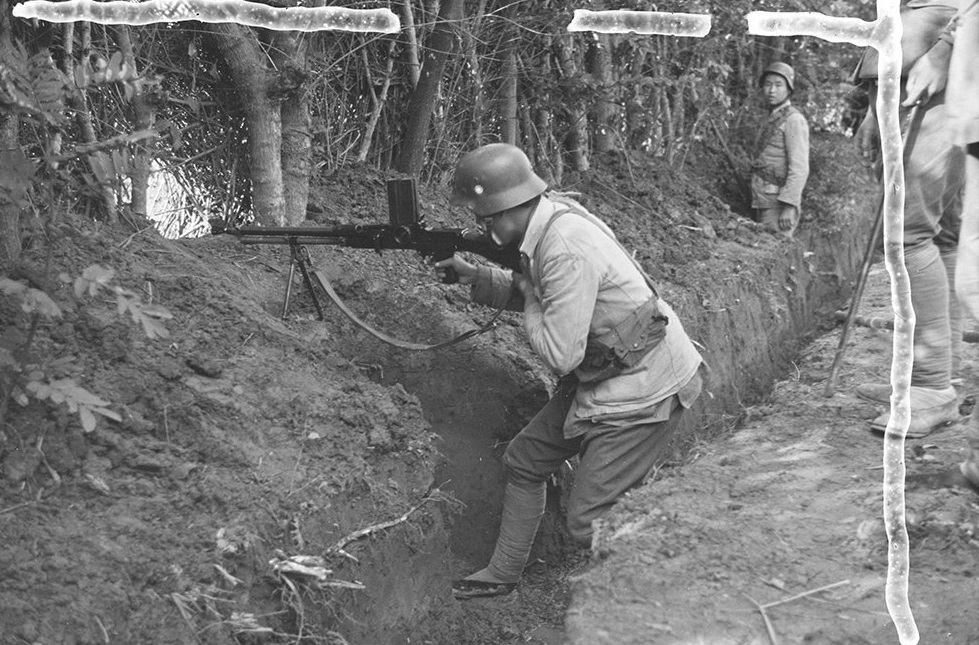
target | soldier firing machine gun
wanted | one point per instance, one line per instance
(406, 231)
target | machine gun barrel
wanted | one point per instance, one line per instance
(434, 243)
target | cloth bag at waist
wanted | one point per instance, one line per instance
(623, 346)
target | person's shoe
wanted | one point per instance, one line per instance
(464, 589)
(930, 409)
(876, 392)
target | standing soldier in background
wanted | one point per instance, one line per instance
(627, 369)
(933, 179)
(953, 59)
(780, 166)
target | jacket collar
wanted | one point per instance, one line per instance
(535, 227)
(781, 108)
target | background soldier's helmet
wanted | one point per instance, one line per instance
(493, 178)
(783, 70)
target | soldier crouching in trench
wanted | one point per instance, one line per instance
(627, 368)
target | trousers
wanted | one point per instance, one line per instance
(967, 281)
(612, 459)
(934, 176)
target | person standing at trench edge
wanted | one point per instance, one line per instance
(780, 165)
(933, 177)
(952, 61)
(627, 369)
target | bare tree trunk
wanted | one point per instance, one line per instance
(636, 133)
(531, 143)
(550, 149)
(423, 99)
(679, 114)
(297, 125)
(478, 76)
(78, 101)
(411, 51)
(144, 118)
(578, 117)
(667, 121)
(603, 138)
(509, 98)
(240, 49)
(10, 242)
(380, 100)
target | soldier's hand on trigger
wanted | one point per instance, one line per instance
(465, 270)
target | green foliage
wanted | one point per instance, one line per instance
(33, 86)
(24, 376)
(68, 392)
(95, 278)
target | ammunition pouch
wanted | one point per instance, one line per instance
(768, 176)
(624, 346)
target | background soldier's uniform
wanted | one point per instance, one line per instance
(780, 166)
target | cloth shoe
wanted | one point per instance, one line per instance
(523, 507)
(876, 392)
(929, 410)
(465, 588)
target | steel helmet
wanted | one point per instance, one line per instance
(782, 69)
(493, 178)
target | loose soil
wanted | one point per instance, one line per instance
(251, 446)
(790, 504)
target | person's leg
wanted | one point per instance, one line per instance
(967, 288)
(955, 314)
(934, 401)
(929, 298)
(614, 460)
(967, 266)
(933, 177)
(532, 456)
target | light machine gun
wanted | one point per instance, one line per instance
(406, 231)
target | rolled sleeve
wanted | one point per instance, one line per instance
(494, 287)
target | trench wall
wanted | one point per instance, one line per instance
(751, 316)
(764, 306)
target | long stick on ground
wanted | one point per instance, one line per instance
(868, 257)
(769, 627)
(811, 592)
(868, 260)
(875, 322)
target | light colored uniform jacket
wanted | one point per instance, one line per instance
(962, 93)
(781, 165)
(585, 284)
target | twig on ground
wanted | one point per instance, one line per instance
(804, 594)
(356, 535)
(13, 508)
(105, 632)
(768, 623)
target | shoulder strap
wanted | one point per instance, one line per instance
(571, 208)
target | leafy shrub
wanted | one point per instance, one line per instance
(24, 376)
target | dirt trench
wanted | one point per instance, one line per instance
(246, 437)
(752, 308)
